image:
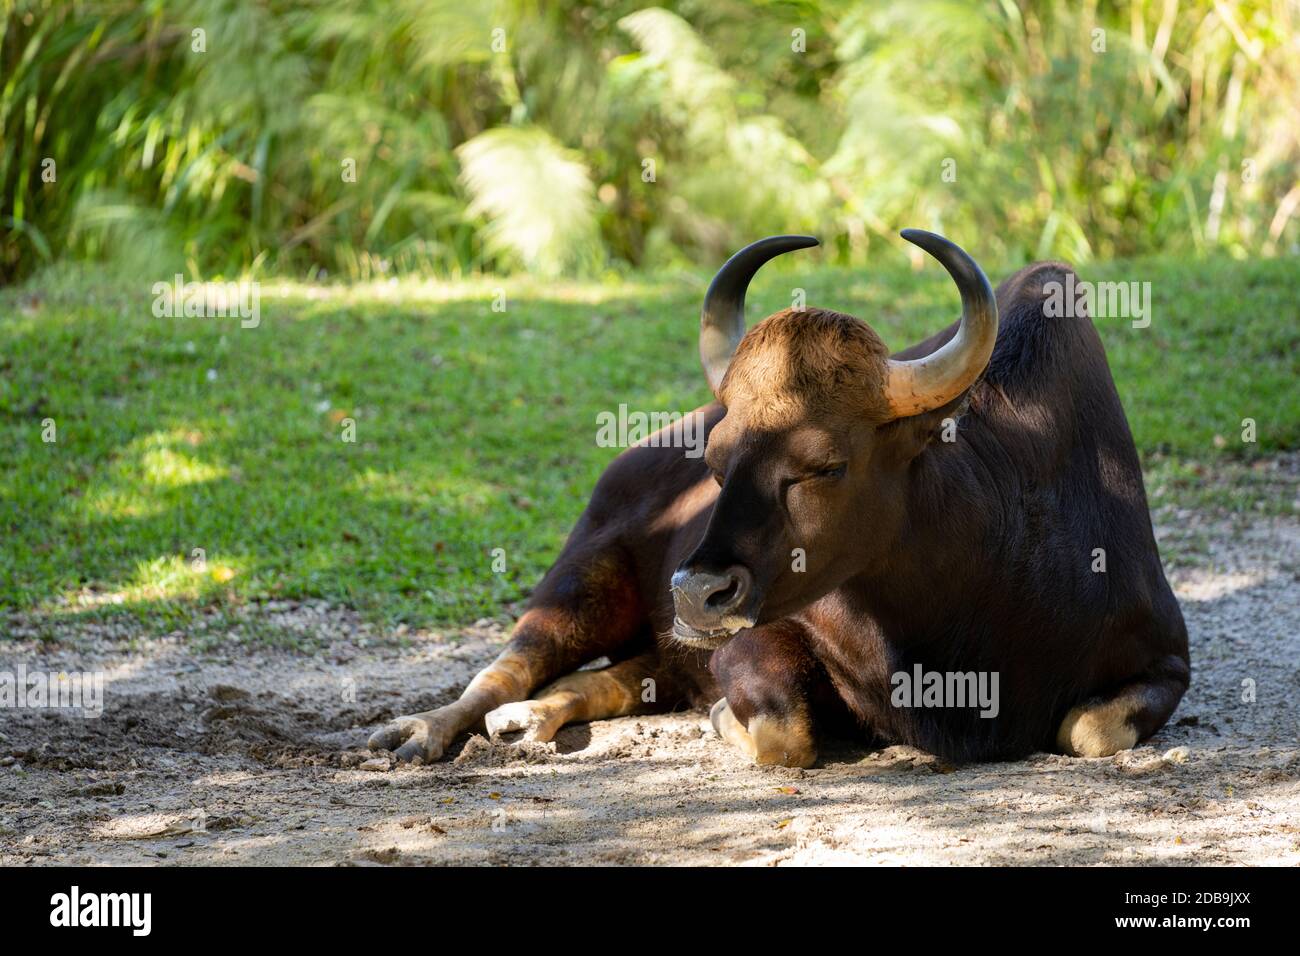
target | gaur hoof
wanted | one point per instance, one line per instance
(417, 739)
(539, 721)
(715, 715)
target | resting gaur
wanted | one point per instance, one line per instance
(972, 506)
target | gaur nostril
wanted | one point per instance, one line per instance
(730, 591)
(720, 600)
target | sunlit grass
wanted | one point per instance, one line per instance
(474, 428)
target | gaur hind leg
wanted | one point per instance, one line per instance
(587, 606)
(772, 686)
(1109, 723)
(628, 687)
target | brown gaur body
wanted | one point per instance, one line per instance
(856, 515)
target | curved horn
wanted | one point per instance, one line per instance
(722, 320)
(922, 384)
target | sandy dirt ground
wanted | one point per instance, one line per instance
(242, 755)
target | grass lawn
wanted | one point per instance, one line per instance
(475, 429)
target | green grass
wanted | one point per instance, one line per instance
(475, 429)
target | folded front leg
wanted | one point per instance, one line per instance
(615, 691)
(770, 681)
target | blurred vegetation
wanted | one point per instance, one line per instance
(573, 137)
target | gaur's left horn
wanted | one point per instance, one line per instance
(722, 320)
(923, 384)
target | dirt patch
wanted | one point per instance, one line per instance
(252, 756)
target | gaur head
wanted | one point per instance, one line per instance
(814, 450)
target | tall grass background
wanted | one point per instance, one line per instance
(215, 136)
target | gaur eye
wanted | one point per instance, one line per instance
(834, 471)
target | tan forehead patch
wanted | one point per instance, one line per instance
(798, 365)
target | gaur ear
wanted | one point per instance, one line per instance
(909, 437)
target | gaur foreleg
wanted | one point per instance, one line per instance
(587, 606)
(773, 687)
(628, 687)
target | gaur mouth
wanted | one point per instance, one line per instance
(704, 640)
